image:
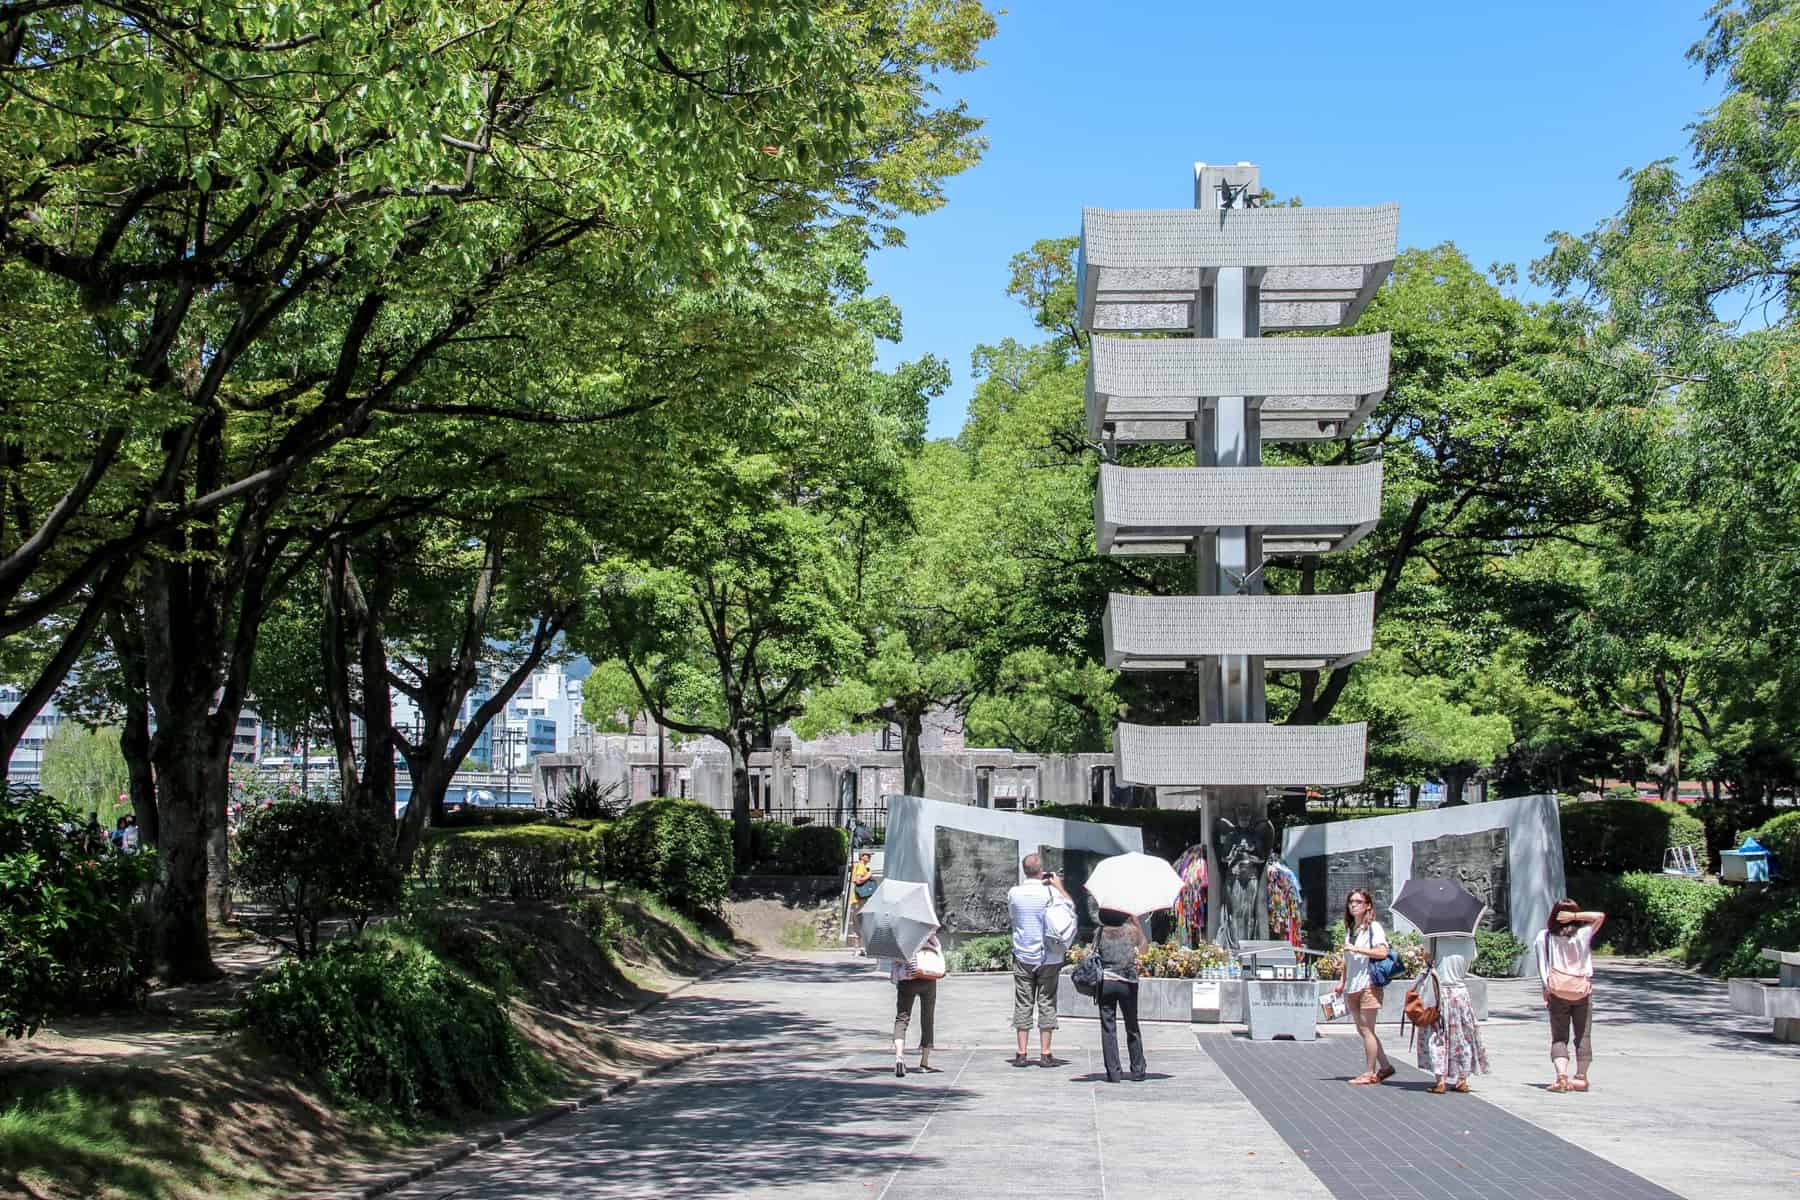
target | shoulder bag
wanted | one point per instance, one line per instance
(1383, 970)
(1090, 972)
(929, 963)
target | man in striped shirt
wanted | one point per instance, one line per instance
(1036, 968)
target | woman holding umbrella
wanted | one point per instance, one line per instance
(1448, 916)
(899, 923)
(916, 978)
(1125, 886)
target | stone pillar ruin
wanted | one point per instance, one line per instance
(1226, 273)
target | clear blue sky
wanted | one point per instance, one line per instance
(1490, 125)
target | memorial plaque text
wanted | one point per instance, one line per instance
(974, 873)
(1477, 861)
(1326, 879)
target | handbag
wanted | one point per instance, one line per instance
(929, 963)
(1089, 973)
(1418, 1013)
(1564, 985)
(1383, 970)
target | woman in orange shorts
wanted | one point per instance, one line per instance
(1365, 941)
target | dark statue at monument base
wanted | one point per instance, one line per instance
(974, 873)
(1477, 861)
(1242, 854)
(1327, 879)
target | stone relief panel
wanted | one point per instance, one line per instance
(1326, 879)
(1477, 861)
(974, 872)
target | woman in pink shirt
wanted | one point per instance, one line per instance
(1565, 954)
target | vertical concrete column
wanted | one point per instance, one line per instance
(1227, 434)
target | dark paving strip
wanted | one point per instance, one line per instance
(1398, 1141)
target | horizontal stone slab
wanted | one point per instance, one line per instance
(1289, 632)
(1765, 998)
(1162, 510)
(1147, 269)
(1315, 386)
(1240, 755)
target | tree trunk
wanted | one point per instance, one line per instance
(912, 760)
(191, 777)
(431, 776)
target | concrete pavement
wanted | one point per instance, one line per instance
(804, 1104)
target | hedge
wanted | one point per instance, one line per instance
(677, 849)
(384, 1022)
(1781, 838)
(476, 816)
(1618, 835)
(780, 849)
(1647, 912)
(1167, 831)
(1735, 931)
(528, 862)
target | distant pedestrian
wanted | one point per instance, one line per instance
(1364, 942)
(1043, 926)
(130, 839)
(1452, 1049)
(1117, 945)
(862, 885)
(1565, 954)
(916, 979)
(117, 836)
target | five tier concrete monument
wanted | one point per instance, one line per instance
(1226, 273)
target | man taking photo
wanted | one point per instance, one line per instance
(1043, 929)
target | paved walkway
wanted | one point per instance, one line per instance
(1687, 1100)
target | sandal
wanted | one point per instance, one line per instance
(1436, 1089)
(1384, 1074)
(1578, 1083)
(1462, 1086)
(1561, 1085)
(1364, 1079)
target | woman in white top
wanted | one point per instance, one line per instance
(1452, 1048)
(916, 979)
(1364, 941)
(1565, 954)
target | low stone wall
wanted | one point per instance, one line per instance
(1221, 1001)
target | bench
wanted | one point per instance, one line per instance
(1777, 999)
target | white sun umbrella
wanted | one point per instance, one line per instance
(1134, 883)
(897, 919)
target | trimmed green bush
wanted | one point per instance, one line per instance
(990, 953)
(529, 862)
(768, 844)
(1735, 931)
(310, 860)
(677, 849)
(475, 816)
(816, 850)
(383, 1022)
(1167, 831)
(1647, 912)
(1781, 838)
(1619, 835)
(72, 933)
(1497, 953)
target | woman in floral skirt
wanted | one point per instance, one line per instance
(1452, 1049)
